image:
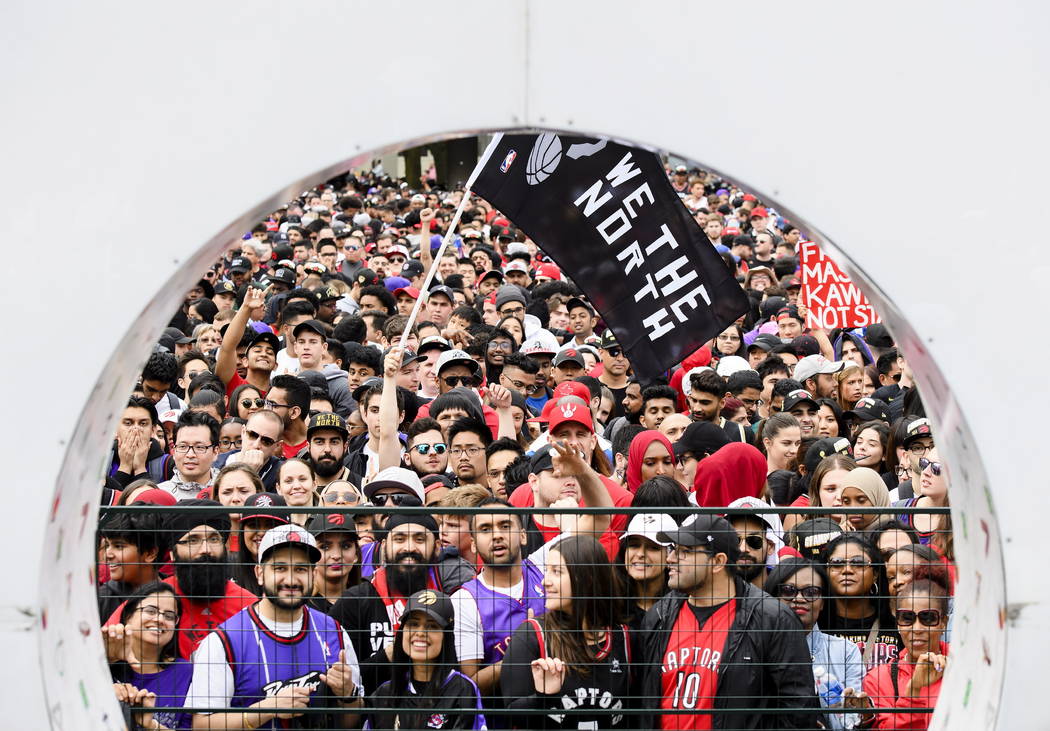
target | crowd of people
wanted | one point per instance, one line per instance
(341, 516)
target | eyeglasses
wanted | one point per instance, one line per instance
(213, 540)
(438, 447)
(521, 387)
(508, 347)
(256, 436)
(274, 405)
(453, 381)
(230, 443)
(920, 448)
(195, 448)
(151, 612)
(751, 402)
(729, 338)
(927, 617)
(512, 311)
(351, 247)
(856, 562)
(790, 591)
(469, 451)
(614, 352)
(393, 499)
(246, 403)
(935, 467)
(754, 542)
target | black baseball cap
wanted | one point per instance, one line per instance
(282, 276)
(239, 265)
(443, 290)
(765, 341)
(542, 460)
(810, 536)
(869, 409)
(327, 294)
(366, 277)
(434, 604)
(798, 396)
(262, 501)
(825, 448)
(412, 268)
(608, 340)
(332, 523)
(878, 336)
(569, 355)
(313, 326)
(365, 385)
(327, 421)
(712, 532)
(917, 428)
(578, 302)
(700, 438)
(266, 337)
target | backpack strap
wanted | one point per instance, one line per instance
(539, 637)
(895, 671)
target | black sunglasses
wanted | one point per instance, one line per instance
(790, 591)
(935, 467)
(754, 542)
(454, 381)
(927, 617)
(246, 403)
(614, 352)
(265, 441)
(394, 499)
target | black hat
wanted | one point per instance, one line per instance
(282, 276)
(869, 409)
(608, 340)
(367, 277)
(182, 522)
(574, 302)
(796, 397)
(226, 287)
(810, 536)
(412, 268)
(542, 460)
(443, 290)
(327, 421)
(434, 604)
(705, 531)
(878, 336)
(365, 385)
(771, 306)
(239, 264)
(265, 337)
(569, 355)
(765, 341)
(825, 447)
(332, 523)
(313, 326)
(917, 428)
(327, 294)
(424, 519)
(700, 438)
(261, 501)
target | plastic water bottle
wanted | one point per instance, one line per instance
(830, 690)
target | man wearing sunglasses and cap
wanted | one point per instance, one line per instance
(717, 643)
(614, 370)
(277, 653)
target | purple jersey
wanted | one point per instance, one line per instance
(264, 663)
(501, 614)
(170, 685)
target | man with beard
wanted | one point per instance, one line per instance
(372, 610)
(207, 597)
(754, 544)
(490, 607)
(326, 439)
(277, 653)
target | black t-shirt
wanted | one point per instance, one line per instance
(411, 711)
(604, 687)
(618, 396)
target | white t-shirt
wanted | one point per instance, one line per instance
(212, 685)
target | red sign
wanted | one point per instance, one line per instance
(830, 295)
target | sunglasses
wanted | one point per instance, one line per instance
(348, 497)
(395, 499)
(454, 381)
(927, 617)
(614, 352)
(246, 403)
(790, 591)
(439, 448)
(837, 564)
(265, 441)
(754, 542)
(935, 467)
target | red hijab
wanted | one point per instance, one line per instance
(636, 455)
(736, 470)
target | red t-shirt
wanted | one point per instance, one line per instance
(199, 618)
(238, 381)
(290, 450)
(522, 497)
(689, 671)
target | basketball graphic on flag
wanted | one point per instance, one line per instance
(544, 158)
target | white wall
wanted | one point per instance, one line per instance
(138, 139)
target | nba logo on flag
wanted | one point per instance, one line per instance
(508, 161)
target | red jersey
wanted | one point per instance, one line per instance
(197, 619)
(290, 450)
(238, 381)
(689, 673)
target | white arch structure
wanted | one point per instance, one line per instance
(139, 138)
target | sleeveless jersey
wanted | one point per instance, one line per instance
(501, 614)
(689, 673)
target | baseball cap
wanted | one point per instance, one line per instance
(869, 409)
(608, 340)
(367, 277)
(681, 169)
(811, 365)
(541, 342)
(492, 274)
(433, 341)
(810, 536)
(312, 325)
(457, 357)
(238, 264)
(825, 447)
(805, 345)
(432, 603)
(571, 388)
(759, 211)
(407, 357)
(332, 523)
(878, 336)
(365, 385)
(410, 291)
(700, 438)
(752, 502)
(282, 276)
(443, 290)
(541, 460)
(226, 287)
(712, 532)
(314, 267)
(650, 525)
(765, 341)
(516, 265)
(570, 410)
(262, 502)
(400, 478)
(799, 395)
(687, 382)
(569, 355)
(327, 294)
(289, 534)
(393, 284)
(575, 302)
(266, 337)
(731, 364)
(326, 421)
(412, 268)
(917, 428)
(548, 271)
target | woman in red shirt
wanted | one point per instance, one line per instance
(913, 679)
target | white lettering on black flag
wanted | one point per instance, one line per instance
(608, 216)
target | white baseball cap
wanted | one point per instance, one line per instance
(651, 525)
(811, 365)
(288, 534)
(731, 364)
(687, 385)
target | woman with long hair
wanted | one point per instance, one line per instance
(729, 342)
(932, 493)
(857, 608)
(651, 455)
(577, 652)
(254, 524)
(803, 586)
(825, 486)
(870, 446)
(829, 422)
(850, 387)
(234, 484)
(779, 436)
(642, 563)
(297, 484)
(425, 673)
(245, 401)
(143, 656)
(340, 564)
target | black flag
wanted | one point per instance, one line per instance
(608, 216)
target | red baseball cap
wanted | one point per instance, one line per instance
(569, 409)
(571, 388)
(760, 211)
(749, 197)
(550, 271)
(410, 291)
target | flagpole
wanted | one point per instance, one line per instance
(424, 289)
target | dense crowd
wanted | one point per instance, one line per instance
(294, 378)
